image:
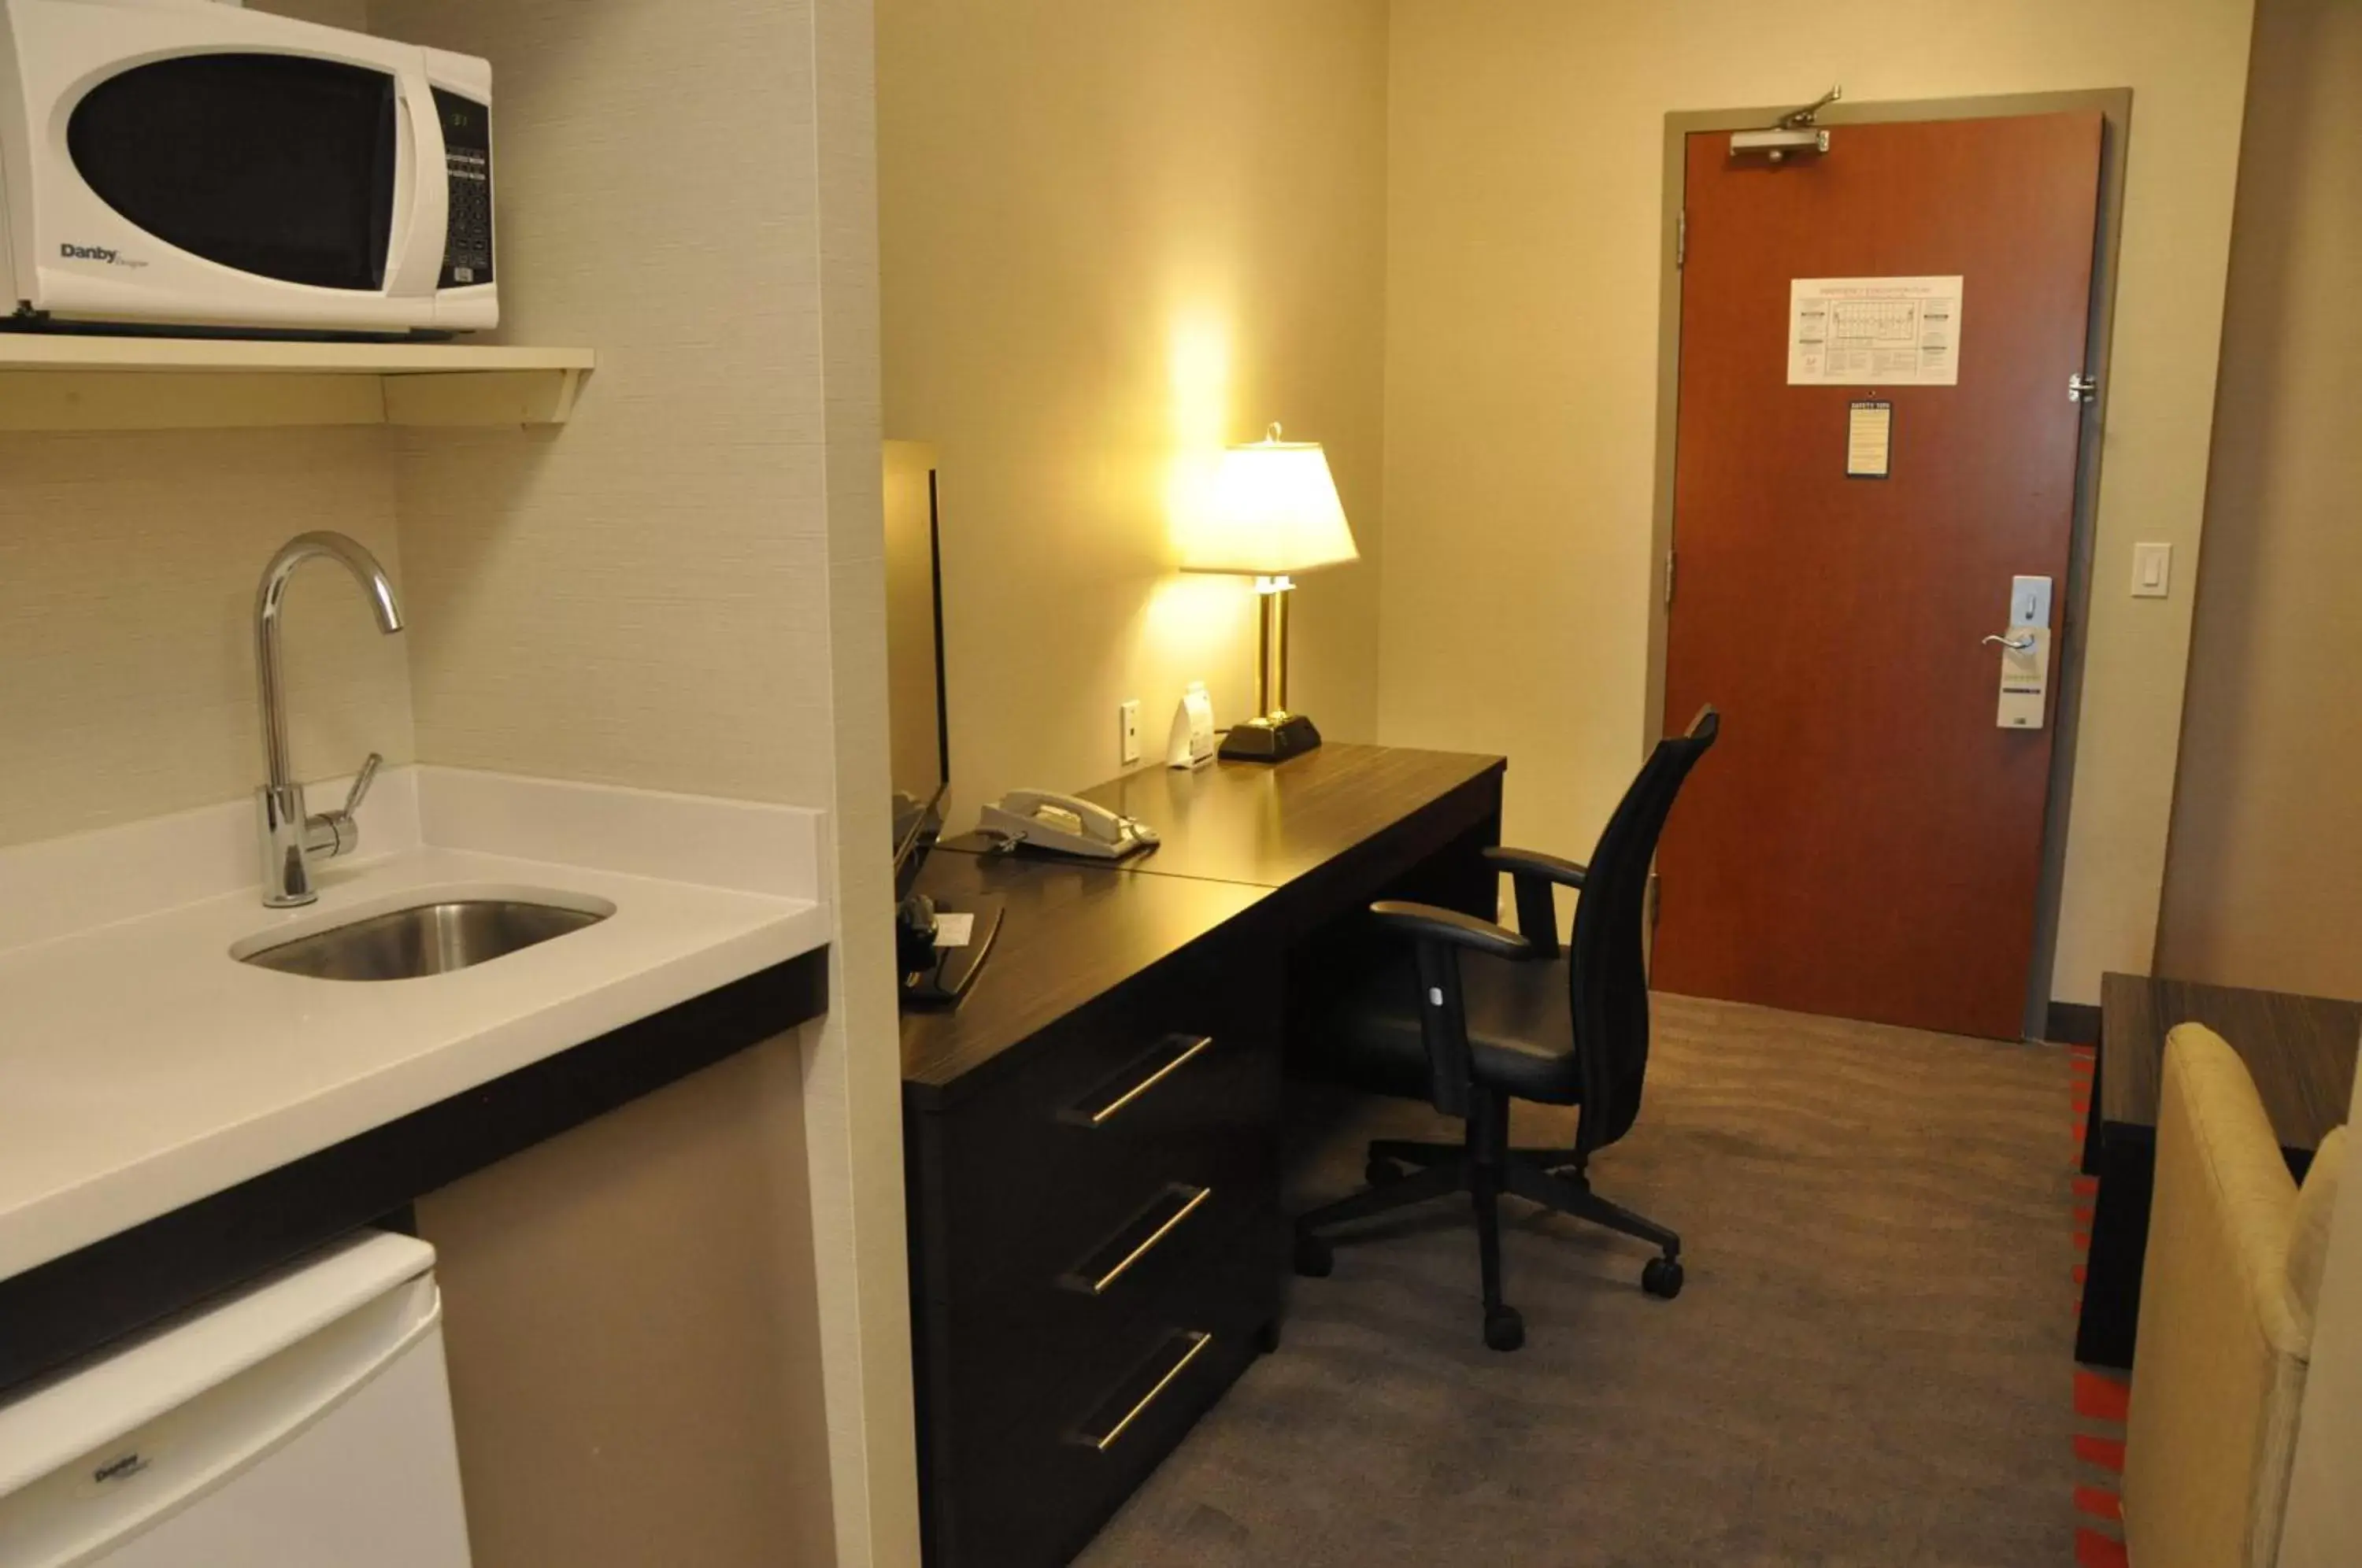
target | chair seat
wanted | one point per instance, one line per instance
(1371, 1035)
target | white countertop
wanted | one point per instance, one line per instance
(142, 1067)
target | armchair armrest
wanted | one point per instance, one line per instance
(1534, 863)
(1438, 936)
(1532, 872)
(1429, 923)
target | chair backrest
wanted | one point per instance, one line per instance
(1606, 968)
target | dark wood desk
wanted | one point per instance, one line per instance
(1272, 826)
(1091, 1141)
(1072, 935)
(2301, 1052)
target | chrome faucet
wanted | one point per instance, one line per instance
(289, 836)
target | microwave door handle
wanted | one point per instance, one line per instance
(421, 192)
(405, 183)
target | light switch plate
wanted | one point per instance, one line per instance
(1127, 724)
(2152, 571)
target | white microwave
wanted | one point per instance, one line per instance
(181, 162)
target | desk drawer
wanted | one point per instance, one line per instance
(1107, 1194)
(1170, 1085)
(1026, 1346)
(1029, 1486)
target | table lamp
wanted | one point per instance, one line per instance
(1274, 509)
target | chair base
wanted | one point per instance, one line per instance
(1550, 1178)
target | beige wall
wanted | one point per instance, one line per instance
(654, 595)
(351, 13)
(630, 1327)
(2263, 883)
(682, 590)
(1116, 238)
(641, 596)
(853, 1066)
(1525, 224)
(127, 569)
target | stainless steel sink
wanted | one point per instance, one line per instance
(425, 939)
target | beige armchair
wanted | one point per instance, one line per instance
(2227, 1294)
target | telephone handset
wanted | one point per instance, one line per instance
(1043, 819)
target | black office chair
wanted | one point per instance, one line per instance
(1522, 1021)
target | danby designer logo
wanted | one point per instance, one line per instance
(97, 253)
(121, 1468)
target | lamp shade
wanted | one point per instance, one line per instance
(1274, 509)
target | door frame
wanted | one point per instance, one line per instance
(2115, 107)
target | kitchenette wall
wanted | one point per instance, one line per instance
(127, 569)
(639, 597)
(679, 590)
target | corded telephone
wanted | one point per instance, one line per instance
(1043, 819)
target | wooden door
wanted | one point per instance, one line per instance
(1866, 841)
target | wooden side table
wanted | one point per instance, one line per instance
(2300, 1050)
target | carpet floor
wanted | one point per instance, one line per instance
(1869, 1366)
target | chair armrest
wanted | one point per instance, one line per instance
(1531, 873)
(1429, 923)
(1438, 936)
(1534, 863)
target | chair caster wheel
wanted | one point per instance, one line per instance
(1266, 1336)
(1662, 1278)
(1314, 1257)
(1504, 1330)
(1382, 1173)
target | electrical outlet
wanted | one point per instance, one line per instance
(1127, 729)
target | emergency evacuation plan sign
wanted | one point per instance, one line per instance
(1885, 332)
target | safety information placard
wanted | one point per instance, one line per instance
(1899, 332)
(1869, 439)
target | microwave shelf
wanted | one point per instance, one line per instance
(73, 382)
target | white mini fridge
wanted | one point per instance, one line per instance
(304, 1421)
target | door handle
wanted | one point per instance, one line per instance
(2015, 645)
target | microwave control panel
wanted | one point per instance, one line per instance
(467, 156)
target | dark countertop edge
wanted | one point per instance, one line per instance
(60, 1311)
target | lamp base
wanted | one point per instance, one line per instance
(1272, 739)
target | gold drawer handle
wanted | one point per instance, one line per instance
(1197, 1342)
(1191, 1045)
(1098, 1287)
